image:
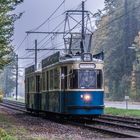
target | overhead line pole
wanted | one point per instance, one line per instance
(83, 28)
(83, 21)
(36, 54)
(16, 76)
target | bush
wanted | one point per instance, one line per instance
(1, 95)
(4, 135)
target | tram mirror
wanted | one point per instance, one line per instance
(62, 76)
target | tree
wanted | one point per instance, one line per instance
(115, 34)
(7, 19)
(8, 77)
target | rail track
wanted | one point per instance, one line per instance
(130, 120)
(14, 105)
(116, 126)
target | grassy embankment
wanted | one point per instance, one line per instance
(10, 129)
(122, 112)
(13, 99)
(14, 129)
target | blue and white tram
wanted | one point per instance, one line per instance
(72, 85)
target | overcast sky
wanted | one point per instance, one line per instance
(37, 11)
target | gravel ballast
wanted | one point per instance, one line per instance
(26, 127)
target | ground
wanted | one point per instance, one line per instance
(25, 127)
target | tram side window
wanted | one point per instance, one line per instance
(43, 81)
(56, 78)
(51, 79)
(99, 79)
(47, 81)
(26, 84)
(73, 79)
(64, 77)
(37, 83)
(31, 84)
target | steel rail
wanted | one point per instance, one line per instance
(106, 131)
(121, 119)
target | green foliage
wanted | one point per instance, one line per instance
(122, 112)
(7, 19)
(4, 135)
(7, 76)
(1, 95)
(115, 33)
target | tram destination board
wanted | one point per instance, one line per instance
(51, 59)
(30, 69)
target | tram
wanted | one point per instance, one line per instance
(71, 85)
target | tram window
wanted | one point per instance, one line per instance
(27, 85)
(51, 79)
(64, 77)
(43, 80)
(47, 81)
(73, 75)
(56, 78)
(31, 84)
(87, 79)
(37, 83)
(99, 79)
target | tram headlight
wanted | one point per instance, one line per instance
(86, 97)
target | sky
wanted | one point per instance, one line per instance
(36, 12)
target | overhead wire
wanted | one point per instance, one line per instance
(116, 19)
(48, 17)
(21, 43)
(49, 34)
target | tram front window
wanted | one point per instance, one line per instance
(87, 79)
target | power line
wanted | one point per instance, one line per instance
(48, 34)
(113, 20)
(21, 42)
(49, 16)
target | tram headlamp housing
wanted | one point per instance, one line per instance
(86, 97)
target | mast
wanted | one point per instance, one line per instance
(83, 29)
(83, 21)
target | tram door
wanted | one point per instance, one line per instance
(38, 95)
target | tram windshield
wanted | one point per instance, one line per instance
(87, 79)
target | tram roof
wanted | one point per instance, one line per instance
(56, 59)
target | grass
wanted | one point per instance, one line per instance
(9, 129)
(122, 112)
(5, 136)
(13, 99)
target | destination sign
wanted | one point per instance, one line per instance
(87, 66)
(30, 69)
(51, 59)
